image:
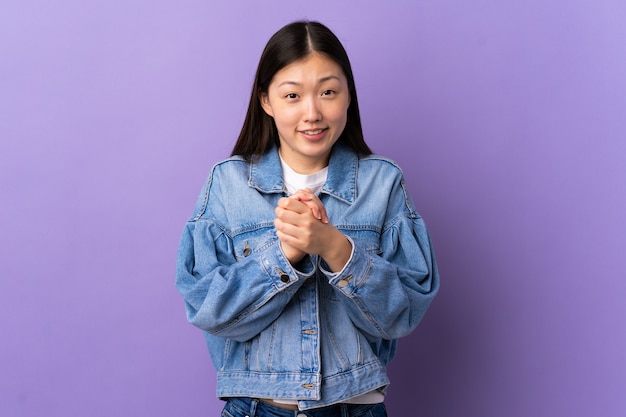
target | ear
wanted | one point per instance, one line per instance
(265, 103)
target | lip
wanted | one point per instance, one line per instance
(314, 134)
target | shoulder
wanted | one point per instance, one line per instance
(229, 168)
(382, 173)
(228, 173)
(233, 162)
(378, 164)
(379, 160)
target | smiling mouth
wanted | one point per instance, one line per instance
(313, 132)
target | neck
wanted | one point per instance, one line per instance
(304, 165)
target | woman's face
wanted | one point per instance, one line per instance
(308, 100)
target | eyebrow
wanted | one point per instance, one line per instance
(320, 81)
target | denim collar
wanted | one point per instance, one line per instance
(266, 175)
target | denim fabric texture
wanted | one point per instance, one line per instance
(246, 407)
(300, 332)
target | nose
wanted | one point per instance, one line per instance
(312, 112)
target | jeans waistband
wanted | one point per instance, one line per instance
(250, 407)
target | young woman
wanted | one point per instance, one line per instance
(304, 259)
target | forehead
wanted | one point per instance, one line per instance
(313, 68)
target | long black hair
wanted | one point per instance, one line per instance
(293, 42)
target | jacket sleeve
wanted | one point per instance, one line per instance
(223, 296)
(387, 295)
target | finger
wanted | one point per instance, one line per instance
(317, 206)
(301, 226)
(315, 209)
(303, 195)
(294, 205)
(314, 197)
(289, 234)
(308, 199)
(323, 215)
(293, 217)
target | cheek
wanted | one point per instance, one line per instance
(340, 108)
(285, 115)
(339, 114)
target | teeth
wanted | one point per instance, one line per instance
(313, 132)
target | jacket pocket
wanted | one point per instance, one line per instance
(251, 239)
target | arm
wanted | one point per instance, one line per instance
(387, 294)
(223, 296)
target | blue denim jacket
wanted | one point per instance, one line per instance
(300, 332)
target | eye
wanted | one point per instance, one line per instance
(328, 92)
(291, 96)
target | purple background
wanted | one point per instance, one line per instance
(507, 117)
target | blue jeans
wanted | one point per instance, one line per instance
(247, 407)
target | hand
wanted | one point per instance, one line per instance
(308, 198)
(301, 231)
(313, 202)
(319, 212)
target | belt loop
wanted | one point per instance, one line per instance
(253, 405)
(344, 410)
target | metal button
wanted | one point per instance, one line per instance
(283, 277)
(344, 282)
(246, 250)
(308, 386)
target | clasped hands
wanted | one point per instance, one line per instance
(303, 227)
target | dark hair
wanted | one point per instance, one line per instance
(293, 42)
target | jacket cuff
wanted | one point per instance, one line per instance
(353, 273)
(281, 272)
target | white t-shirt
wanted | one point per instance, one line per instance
(295, 181)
